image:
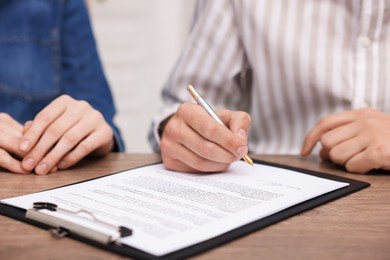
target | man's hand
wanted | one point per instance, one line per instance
(10, 135)
(192, 141)
(62, 134)
(358, 140)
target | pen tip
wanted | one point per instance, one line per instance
(248, 160)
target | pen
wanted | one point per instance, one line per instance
(199, 99)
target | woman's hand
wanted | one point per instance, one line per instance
(62, 134)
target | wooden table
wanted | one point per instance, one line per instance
(353, 227)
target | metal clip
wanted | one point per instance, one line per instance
(62, 227)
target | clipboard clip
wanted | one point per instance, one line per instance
(96, 229)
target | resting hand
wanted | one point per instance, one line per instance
(358, 139)
(192, 141)
(62, 134)
(10, 135)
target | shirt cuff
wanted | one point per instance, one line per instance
(154, 135)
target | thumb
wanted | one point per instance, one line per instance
(27, 126)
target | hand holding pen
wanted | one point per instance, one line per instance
(194, 141)
(199, 99)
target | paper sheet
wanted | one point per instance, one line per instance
(168, 211)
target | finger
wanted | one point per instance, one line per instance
(9, 126)
(210, 129)
(27, 126)
(176, 165)
(85, 147)
(178, 131)
(10, 163)
(7, 120)
(190, 159)
(67, 141)
(338, 135)
(360, 163)
(46, 144)
(54, 169)
(41, 122)
(344, 151)
(238, 122)
(9, 139)
(323, 126)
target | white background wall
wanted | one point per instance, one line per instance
(139, 41)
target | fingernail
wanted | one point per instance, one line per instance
(29, 163)
(62, 165)
(241, 151)
(41, 168)
(241, 133)
(24, 145)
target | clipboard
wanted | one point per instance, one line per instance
(354, 186)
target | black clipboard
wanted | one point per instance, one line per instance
(354, 186)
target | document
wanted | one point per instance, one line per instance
(168, 211)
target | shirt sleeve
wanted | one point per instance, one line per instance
(212, 61)
(81, 69)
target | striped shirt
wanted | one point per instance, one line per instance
(287, 63)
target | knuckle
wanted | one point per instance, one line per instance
(85, 148)
(202, 164)
(350, 167)
(44, 118)
(4, 116)
(167, 148)
(335, 157)
(323, 123)
(378, 151)
(207, 149)
(71, 138)
(97, 115)
(107, 131)
(209, 130)
(245, 116)
(169, 163)
(171, 127)
(70, 160)
(325, 141)
(164, 143)
(54, 130)
(323, 120)
(52, 134)
(234, 143)
(83, 105)
(65, 97)
(94, 115)
(182, 109)
(187, 111)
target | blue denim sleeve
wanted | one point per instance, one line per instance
(82, 73)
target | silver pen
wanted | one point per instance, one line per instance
(199, 99)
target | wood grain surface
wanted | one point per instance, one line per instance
(353, 227)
